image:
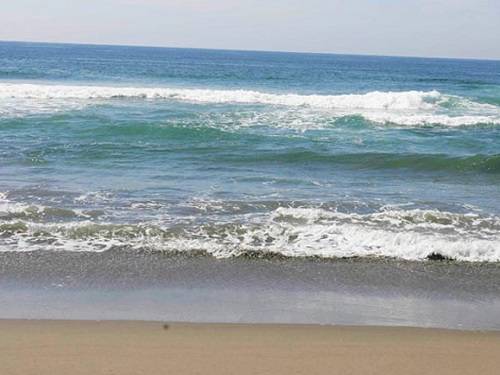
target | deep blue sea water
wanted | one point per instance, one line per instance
(234, 153)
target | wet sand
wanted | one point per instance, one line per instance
(111, 347)
(131, 285)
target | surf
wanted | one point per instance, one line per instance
(404, 107)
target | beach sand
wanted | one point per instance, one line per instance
(112, 347)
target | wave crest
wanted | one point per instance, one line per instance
(371, 100)
(410, 108)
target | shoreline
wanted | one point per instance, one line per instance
(132, 347)
(126, 285)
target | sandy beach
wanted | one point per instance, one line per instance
(112, 347)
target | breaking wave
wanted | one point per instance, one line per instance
(405, 108)
(372, 100)
(412, 234)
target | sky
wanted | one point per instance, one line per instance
(439, 28)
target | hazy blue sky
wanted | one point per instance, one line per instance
(451, 28)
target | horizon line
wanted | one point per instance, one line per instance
(252, 50)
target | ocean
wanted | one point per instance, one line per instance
(235, 153)
(116, 156)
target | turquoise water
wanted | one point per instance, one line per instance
(234, 153)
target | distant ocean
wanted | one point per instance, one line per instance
(248, 154)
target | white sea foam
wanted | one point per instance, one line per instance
(410, 108)
(371, 100)
(295, 232)
(7, 207)
(430, 119)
